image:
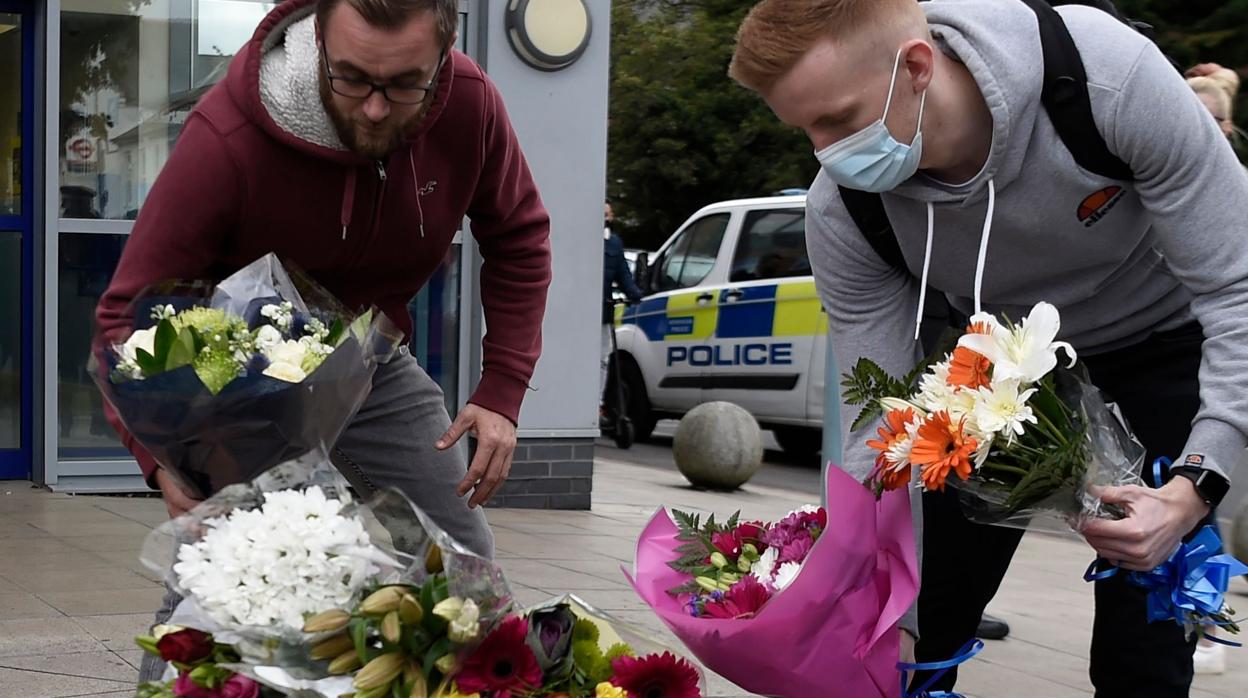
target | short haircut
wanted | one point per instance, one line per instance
(777, 33)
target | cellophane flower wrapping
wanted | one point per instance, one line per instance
(833, 631)
(1066, 497)
(225, 583)
(208, 433)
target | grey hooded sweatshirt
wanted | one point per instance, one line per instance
(1119, 260)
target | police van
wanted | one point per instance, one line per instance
(730, 313)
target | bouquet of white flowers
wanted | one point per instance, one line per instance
(271, 570)
(220, 383)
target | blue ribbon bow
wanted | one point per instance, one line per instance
(1192, 583)
(968, 650)
(1190, 586)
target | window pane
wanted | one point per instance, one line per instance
(87, 262)
(10, 339)
(130, 74)
(10, 115)
(772, 246)
(672, 262)
(435, 319)
(708, 233)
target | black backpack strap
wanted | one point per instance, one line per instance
(867, 210)
(1065, 97)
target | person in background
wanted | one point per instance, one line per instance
(615, 274)
(1216, 87)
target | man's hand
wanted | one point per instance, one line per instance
(1202, 69)
(177, 501)
(496, 442)
(1156, 522)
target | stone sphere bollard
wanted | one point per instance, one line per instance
(718, 445)
(1239, 532)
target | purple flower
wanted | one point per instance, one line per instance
(796, 550)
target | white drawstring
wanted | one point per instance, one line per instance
(927, 263)
(983, 248)
(420, 212)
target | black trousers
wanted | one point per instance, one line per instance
(1155, 385)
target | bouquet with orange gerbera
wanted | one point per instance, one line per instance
(1017, 433)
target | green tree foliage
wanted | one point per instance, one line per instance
(682, 134)
(1201, 31)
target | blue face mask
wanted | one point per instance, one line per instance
(871, 159)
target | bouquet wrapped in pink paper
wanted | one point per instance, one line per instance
(807, 606)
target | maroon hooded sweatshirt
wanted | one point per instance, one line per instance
(237, 186)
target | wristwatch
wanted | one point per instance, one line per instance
(1210, 485)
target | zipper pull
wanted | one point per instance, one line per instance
(381, 170)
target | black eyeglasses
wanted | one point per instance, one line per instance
(396, 94)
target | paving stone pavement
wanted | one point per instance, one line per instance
(73, 593)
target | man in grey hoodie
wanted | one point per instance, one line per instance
(938, 107)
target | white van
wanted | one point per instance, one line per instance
(731, 313)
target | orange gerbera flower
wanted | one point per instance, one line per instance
(894, 430)
(969, 369)
(896, 479)
(940, 447)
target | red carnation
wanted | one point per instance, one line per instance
(502, 664)
(186, 646)
(656, 676)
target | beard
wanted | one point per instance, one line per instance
(361, 136)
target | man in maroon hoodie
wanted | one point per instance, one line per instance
(350, 137)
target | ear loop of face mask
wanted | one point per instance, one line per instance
(888, 103)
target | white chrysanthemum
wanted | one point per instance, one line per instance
(786, 574)
(1003, 409)
(764, 568)
(898, 455)
(270, 567)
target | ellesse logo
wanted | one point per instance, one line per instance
(1096, 206)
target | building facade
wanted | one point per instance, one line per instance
(93, 95)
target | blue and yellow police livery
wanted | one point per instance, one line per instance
(732, 314)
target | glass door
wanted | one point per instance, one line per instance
(16, 241)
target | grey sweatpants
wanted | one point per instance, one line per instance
(391, 443)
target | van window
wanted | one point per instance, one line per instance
(689, 258)
(772, 246)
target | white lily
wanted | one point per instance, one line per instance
(895, 403)
(1027, 352)
(139, 339)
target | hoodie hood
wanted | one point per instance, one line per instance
(274, 80)
(984, 36)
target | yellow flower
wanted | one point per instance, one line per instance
(450, 690)
(609, 690)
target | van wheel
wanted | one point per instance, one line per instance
(799, 442)
(636, 401)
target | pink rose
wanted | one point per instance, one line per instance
(240, 686)
(184, 687)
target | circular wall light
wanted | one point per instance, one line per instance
(548, 35)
